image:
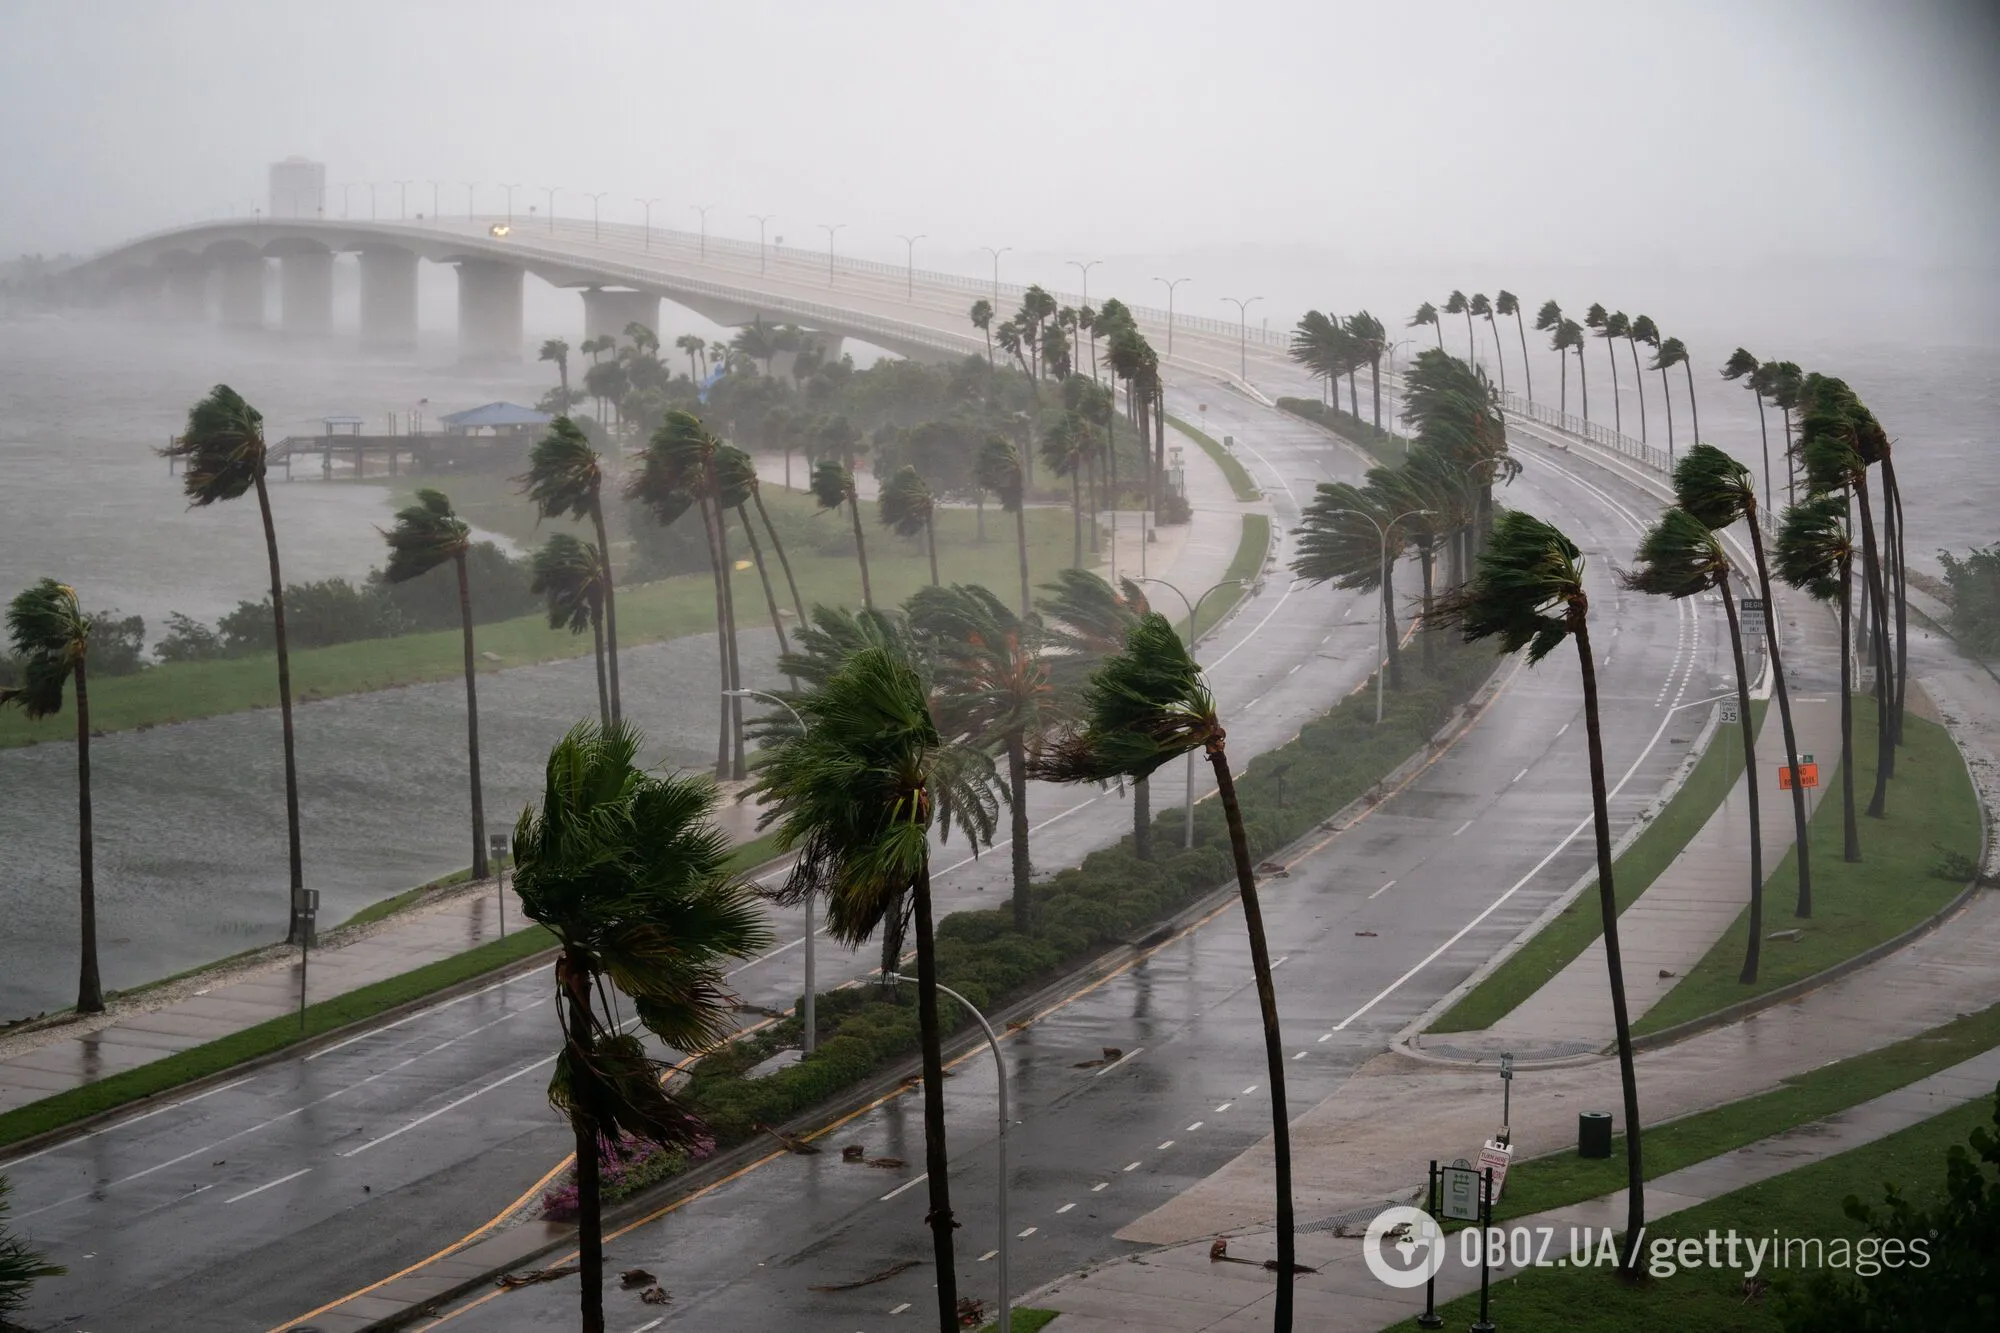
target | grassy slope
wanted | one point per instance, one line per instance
(1932, 806)
(647, 613)
(1239, 478)
(1558, 943)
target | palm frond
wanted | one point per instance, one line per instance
(1815, 550)
(564, 473)
(221, 449)
(1528, 583)
(426, 535)
(1713, 487)
(1144, 706)
(1678, 557)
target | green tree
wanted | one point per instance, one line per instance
(1066, 448)
(1568, 337)
(736, 483)
(1342, 536)
(1000, 471)
(570, 576)
(557, 350)
(51, 637)
(856, 797)
(1483, 307)
(565, 477)
(1816, 553)
(1456, 304)
(1718, 490)
(1974, 580)
(1641, 329)
(1668, 354)
(1528, 592)
(628, 872)
(833, 485)
(1506, 303)
(1371, 342)
(1679, 557)
(696, 350)
(20, 1266)
(982, 319)
(1145, 706)
(1787, 382)
(1607, 326)
(426, 535)
(1757, 378)
(1428, 314)
(1323, 346)
(1549, 320)
(1086, 620)
(222, 457)
(907, 507)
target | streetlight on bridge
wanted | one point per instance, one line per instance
(1084, 269)
(761, 219)
(471, 190)
(703, 210)
(371, 201)
(510, 199)
(996, 271)
(1193, 609)
(594, 198)
(648, 205)
(1170, 308)
(1242, 335)
(830, 228)
(402, 199)
(910, 264)
(437, 200)
(550, 190)
(345, 186)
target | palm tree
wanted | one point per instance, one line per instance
(1481, 306)
(1816, 552)
(222, 456)
(1506, 303)
(1319, 344)
(570, 575)
(1066, 450)
(596, 347)
(1456, 304)
(908, 507)
(627, 870)
(756, 490)
(833, 485)
(998, 469)
(1757, 379)
(736, 482)
(1341, 538)
(1680, 557)
(856, 795)
(1087, 620)
(1549, 320)
(557, 350)
(1608, 326)
(982, 319)
(1569, 336)
(1144, 707)
(695, 347)
(1668, 354)
(1718, 490)
(1428, 314)
(757, 342)
(51, 637)
(565, 477)
(1529, 592)
(995, 688)
(1787, 382)
(426, 535)
(1371, 340)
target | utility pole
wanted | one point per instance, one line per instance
(761, 219)
(1170, 309)
(910, 265)
(996, 271)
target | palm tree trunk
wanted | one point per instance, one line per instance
(1375, 387)
(1090, 462)
(1751, 953)
(1791, 464)
(1017, 800)
(738, 767)
(778, 548)
(763, 577)
(1076, 514)
(1392, 649)
(1614, 959)
(572, 974)
(1583, 382)
(1764, 433)
(1878, 631)
(930, 545)
(979, 517)
(1274, 1050)
(89, 987)
(603, 690)
(1667, 392)
(721, 646)
(1562, 364)
(1353, 395)
(1471, 352)
(1892, 505)
(479, 866)
(1850, 829)
(610, 607)
(1784, 693)
(1426, 557)
(297, 861)
(1694, 406)
(1142, 819)
(860, 550)
(1639, 380)
(1521, 326)
(1499, 357)
(1021, 545)
(1437, 327)
(937, 1161)
(1617, 409)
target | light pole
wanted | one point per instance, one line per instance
(371, 201)
(437, 195)
(471, 193)
(1006, 1319)
(996, 270)
(647, 204)
(830, 228)
(510, 200)
(1243, 335)
(594, 200)
(1084, 269)
(1170, 308)
(550, 191)
(402, 199)
(809, 1018)
(703, 210)
(1194, 609)
(910, 265)
(345, 186)
(1382, 617)
(761, 219)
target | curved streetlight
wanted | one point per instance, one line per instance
(344, 187)
(550, 191)
(471, 192)
(402, 199)
(996, 270)
(647, 204)
(1170, 308)
(1382, 618)
(437, 199)
(1243, 335)
(1006, 1320)
(830, 228)
(510, 199)
(371, 201)
(595, 199)
(1193, 609)
(910, 262)
(809, 1017)
(762, 220)
(1084, 269)
(703, 210)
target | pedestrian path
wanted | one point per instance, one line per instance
(1181, 1289)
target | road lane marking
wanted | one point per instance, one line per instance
(1295, 667)
(1224, 1107)
(650, 1325)
(1164, 1146)
(1560, 730)
(911, 1183)
(1065, 1208)
(1098, 1186)
(1461, 828)
(1518, 776)
(1280, 963)
(899, 1309)
(988, 1255)
(1025, 1233)
(1253, 703)
(268, 1185)
(147, 1115)
(1247, 1091)
(1300, 1056)
(452, 1105)
(1192, 1128)
(1119, 1061)
(1384, 889)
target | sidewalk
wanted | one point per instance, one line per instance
(1181, 1290)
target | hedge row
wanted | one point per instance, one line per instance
(1388, 448)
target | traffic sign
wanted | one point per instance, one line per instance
(1808, 776)
(1460, 1196)
(1494, 1157)
(1753, 606)
(1730, 716)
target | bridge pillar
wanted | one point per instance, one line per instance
(305, 292)
(610, 311)
(388, 299)
(240, 291)
(187, 293)
(489, 310)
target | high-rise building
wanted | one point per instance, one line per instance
(298, 188)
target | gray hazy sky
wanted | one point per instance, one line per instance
(1550, 133)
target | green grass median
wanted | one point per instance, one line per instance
(1239, 477)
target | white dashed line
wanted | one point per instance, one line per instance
(899, 1309)
(1253, 703)
(1518, 776)
(1384, 889)
(1065, 1208)
(1224, 1107)
(1564, 727)
(1300, 1056)
(1129, 1055)
(1133, 1167)
(1023, 1235)
(1192, 1128)
(1164, 1146)
(908, 1184)
(1295, 667)
(988, 1255)
(1098, 1186)
(1247, 1091)
(268, 1185)
(1280, 963)
(1326, 1036)
(1461, 828)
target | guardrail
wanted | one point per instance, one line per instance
(1598, 434)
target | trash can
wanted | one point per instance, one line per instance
(1593, 1134)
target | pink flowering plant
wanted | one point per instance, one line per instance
(627, 1164)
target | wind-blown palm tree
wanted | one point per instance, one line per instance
(1145, 706)
(1320, 344)
(1680, 557)
(736, 483)
(1066, 449)
(982, 319)
(1787, 382)
(1481, 306)
(51, 637)
(426, 535)
(1371, 341)
(998, 469)
(1428, 314)
(1340, 538)
(1569, 337)
(1528, 592)
(1549, 320)
(569, 574)
(1719, 491)
(1641, 329)
(222, 456)
(1669, 354)
(907, 507)
(557, 350)
(1816, 553)
(833, 485)
(628, 872)
(856, 796)
(565, 476)
(1456, 304)
(1086, 621)
(696, 348)
(1757, 379)
(1506, 303)
(1608, 326)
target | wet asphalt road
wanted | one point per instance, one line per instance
(194, 1217)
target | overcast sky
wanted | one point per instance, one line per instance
(1552, 133)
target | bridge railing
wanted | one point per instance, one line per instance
(1595, 432)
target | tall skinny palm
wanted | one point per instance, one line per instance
(1671, 353)
(908, 508)
(1679, 557)
(1066, 450)
(1642, 330)
(223, 456)
(1528, 592)
(1428, 314)
(833, 486)
(426, 535)
(1145, 706)
(557, 350)
(1482, 307)
(856, 796)
(1719, 491)
(1787, 383)
(1609, 326)
(1087, 621)
(1456, 304)
(1816, 553)
(998, 469)
(51, 637)
(736, 483)
(1570, 334)
(628, 872)
(1506, 303)
(568, 573)
(565, 476)
(982, 319)
(1757, 379)
(1549, 320)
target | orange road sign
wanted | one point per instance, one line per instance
(1808, 776)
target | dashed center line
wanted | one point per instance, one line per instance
(899, 1309)
(1518, 776)
(1300, 1056)
(1164, 1146)
(1098, 1186)
(1133, 1167)
(1253, 703)
(1023, 1235)
(908, 1184)
(1224, 1107)
(1461, 828)
(1131, 1054)
(988, 1255)
(1065, 1208)
(1192, 1128)
(1564, 727)
(267, 1185)
(1247, 1091)
(1384, 889)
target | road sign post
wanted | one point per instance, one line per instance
(1485, 1322)
(1458, 1196)
(497, 847)
(1506, 1095)
(306, 907)
(1430, 1318)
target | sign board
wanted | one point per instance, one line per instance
(1496, 1155)
(1867, 682)
(497, 846)
(1730, 716)
(1506, 1066)
(1459, 1198)
(1808, 776)
(1753, 606)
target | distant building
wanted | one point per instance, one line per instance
(298, 188)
